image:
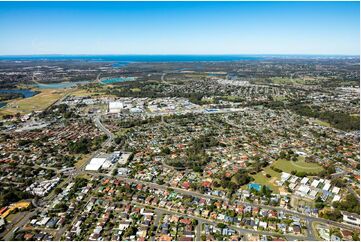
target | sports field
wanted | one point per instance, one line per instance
(286, 166)
(300, 165)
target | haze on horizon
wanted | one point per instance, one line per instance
(318, 28)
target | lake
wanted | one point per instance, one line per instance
(25, 92)
(60, 85)
(117, 79)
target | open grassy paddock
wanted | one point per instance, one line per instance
(35, 103)
(322, 123)
(300, 165)
(286, 166)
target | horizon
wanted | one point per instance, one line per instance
(180, 28)
(171, 54)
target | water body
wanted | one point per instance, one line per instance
(119, 64)
(117, 79)
(59, 85)
(24, 92)
(125, 59)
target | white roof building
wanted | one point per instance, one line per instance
(315, 183)
(303, 190)
(285, 176)
(263, 224)
(115, 107)
(335, 190)
(305, 180)
(336, 198)
(313, 194)
(95, 164)
(292, 186)
(106, 164)
(123, 158)
(293, 179)
(44, 221)
(326, 187)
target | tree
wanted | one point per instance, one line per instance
(319, 204)
(58, 190)
(221, 225)
(165, 151)
(349, 204)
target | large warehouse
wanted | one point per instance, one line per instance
(115, 107)
(95, 164)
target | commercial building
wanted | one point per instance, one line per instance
(115, 107)
(95, 164)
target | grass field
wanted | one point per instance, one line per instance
(279, 98)
(286, 80)
(300, 165)
(231, 98)
(83, 159)
(41, 101)
(322, 123)
(122, 131)
(36, 103)
(286, 166)
(136, 90)
(261, 178)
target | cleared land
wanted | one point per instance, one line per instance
(286, 166)
(300, 166)
(322, 123)
(83, 159)
(262, 179)
(36, 103)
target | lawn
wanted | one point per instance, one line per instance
(36, 103)
(122, 131)
(83, 159)
(286, 80)
(300, 165)
(286, 166)
(322, 123)
(136, 90)
(261, 178)
(279, 98)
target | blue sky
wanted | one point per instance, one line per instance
(179, 28)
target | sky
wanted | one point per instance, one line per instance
(319, 28)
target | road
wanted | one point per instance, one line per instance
(208, 221)
(162, 77)
(309, 219)
(158, 216)
(108, 142)
(19, 223)
(100, 126)
(199, 230)
(38, 204)
(200, 195)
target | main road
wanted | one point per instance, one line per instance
(208, 221)
(311, 219)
